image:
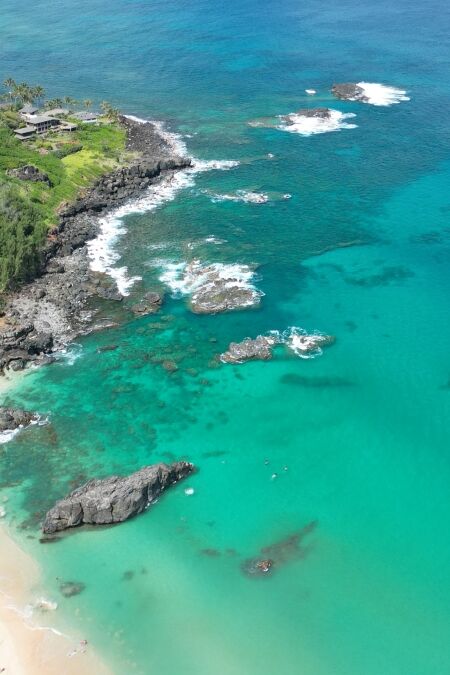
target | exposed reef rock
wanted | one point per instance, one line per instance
(321, 113)
(303, 344)
(150, 304)
(258, 349)
(14, 418)
(114, 499)
(220, 288)
(348, 91)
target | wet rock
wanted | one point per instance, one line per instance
(71, 588)
(320, 113)
(275, 555)
(114, 499)
(150, 304)
(258, 349)
(14, 418)
(349, 91)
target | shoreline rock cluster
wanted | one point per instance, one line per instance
(44, 315)
(15, 418)
(261, 347)
(114, 499)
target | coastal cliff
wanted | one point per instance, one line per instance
(44, 315)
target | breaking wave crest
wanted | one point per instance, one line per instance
(102, 250)
(309, 126)
(382, 94)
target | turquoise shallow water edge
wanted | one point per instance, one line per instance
(362, 430)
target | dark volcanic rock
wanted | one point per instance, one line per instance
(114, 499)
(30, 173)
(322, 113)
(349, 91)
(259, 348)
(150, 304)
(13, 418)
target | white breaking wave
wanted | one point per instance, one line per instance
(246, 196)
(9, 434)
(382, 94)
(308, 126)
(303, 344)
(101, 250)
(188, 278)
(6, 436)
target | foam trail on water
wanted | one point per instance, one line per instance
(309, 126)
(382, 94)
(102, 250)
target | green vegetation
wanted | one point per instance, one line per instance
(72, 162)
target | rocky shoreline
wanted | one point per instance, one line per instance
(49, 312)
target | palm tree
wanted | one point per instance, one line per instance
(69, 101)
(106, 107)
(38, 92)
(9, 84)
(87, 103)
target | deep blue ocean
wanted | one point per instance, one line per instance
(340, 461)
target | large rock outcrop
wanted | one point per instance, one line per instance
(14, 418)
(348, 91)
(249, 350)
(114, 499)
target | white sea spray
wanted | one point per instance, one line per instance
(382, 94)
(306, 125)
(102, 249)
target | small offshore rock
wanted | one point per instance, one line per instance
(258, 349)
(114, 499)
(14, 418)
(71, 588)
(349, 91)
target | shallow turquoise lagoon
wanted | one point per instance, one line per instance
(341, 461)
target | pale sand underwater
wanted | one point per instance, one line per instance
(29, 646)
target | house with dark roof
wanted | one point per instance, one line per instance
(28, 109)
(43, 123)
(24, 132)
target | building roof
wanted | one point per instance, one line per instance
(41, 119)
(25, 131)
(69, 126)
(29, 109)
(85, 115)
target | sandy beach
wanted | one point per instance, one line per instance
(31, 646)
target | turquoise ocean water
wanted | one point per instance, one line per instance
(358, 438)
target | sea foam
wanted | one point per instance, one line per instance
(102, 250)
(309, 126)
(189, 278)
(382, 94)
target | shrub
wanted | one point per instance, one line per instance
(66, 150)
